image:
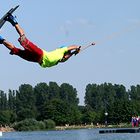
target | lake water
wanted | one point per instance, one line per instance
(81, 134)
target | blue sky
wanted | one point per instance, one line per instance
(113, 25)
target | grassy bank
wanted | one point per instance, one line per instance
(66, 127)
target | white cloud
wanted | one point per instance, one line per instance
(72, 24)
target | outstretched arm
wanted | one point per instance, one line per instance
(9, 45)
(73, 49)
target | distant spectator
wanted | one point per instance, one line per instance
(132, 121)
(135, 121)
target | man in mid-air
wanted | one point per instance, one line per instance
(33, 53)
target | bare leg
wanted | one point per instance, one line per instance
(10, 18)
(19, 30)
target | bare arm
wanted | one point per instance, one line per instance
(8, 45)
(73, 47)
(71, 52)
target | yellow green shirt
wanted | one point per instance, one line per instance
(50, 59)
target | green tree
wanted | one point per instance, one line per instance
(121, 92)
(54, 90)
(134, 96)
(41, 91)
(6, 117)
(3, 100)
(61, 112)
(25, 102)
(88, 115)
(56, 110)
(92, 96)
(109, 98)
(12, 100)
(69, 94)
(134, 92)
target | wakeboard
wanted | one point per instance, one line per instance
(2, 20)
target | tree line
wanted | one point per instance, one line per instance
(61, 104)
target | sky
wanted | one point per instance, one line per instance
(113, 25)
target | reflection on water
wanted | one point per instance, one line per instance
(82, 134)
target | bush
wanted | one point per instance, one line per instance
(6, 117)
(29, 125)
(50, 124)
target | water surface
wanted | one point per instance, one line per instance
(81, 134)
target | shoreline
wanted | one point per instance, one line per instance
(70, 127)
(6, 129)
